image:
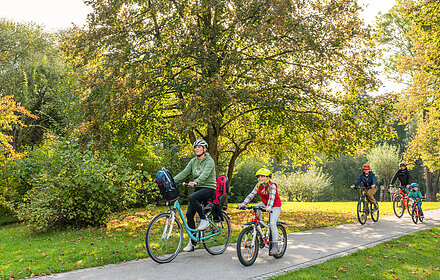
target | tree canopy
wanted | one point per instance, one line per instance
(240, 74)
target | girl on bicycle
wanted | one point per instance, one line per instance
(415, 193)
(268, 192)
(202, 170)
(369, 179)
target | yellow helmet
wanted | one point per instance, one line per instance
(264, 172)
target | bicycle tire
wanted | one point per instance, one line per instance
(246, 252)
(362, 211)
(398, 206)
(282, 241)
(414, 215)
(410, 207)
(217, 244)
(159, 249)
(374, 214)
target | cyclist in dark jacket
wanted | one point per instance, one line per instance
(369, 180)
(404, 177)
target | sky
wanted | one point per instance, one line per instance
(60, 14)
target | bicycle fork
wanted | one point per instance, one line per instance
(169, 223)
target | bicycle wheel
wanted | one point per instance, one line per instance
(217, 236)
(164, 239)
(247, 246)
(398, 206)
(410, 207)
(374, 214)
(414, 215)
(362, 211)
(282, 241)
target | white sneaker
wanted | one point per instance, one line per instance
(204, 223)
(190, 247)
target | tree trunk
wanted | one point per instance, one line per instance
(212, 139)
(430, 193)
(436, 182)
(385, 194)
(231, 165)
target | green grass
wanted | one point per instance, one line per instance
(24, 253)
(413, 256)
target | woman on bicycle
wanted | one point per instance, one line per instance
(369, 180)
(415, 193)
(268, 192)
(202, 170)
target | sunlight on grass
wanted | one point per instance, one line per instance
(26, 254)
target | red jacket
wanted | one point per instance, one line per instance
(265, 193)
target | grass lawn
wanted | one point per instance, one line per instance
(413, 256)
(25, 253)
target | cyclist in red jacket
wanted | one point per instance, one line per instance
(268, 192)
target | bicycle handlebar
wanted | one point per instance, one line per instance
(247, 207)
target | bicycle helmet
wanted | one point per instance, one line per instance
(402, 164)
(366, 166)
(413, 185)
(264, 172)
(200, 142)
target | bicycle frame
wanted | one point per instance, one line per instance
(194, 234)
(416, 207)
(405, 198)
(257, 228)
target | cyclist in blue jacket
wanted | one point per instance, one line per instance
(369, 180)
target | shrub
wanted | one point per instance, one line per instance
(312, 185)
(79, 187)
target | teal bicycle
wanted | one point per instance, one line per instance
(164, 236)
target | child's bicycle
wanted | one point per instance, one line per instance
(164, 236)
(365, 207)
(258, 235)
(415, 214)
(401, 202)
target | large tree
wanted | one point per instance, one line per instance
(278, 75)
(32, 70)
(412, 25)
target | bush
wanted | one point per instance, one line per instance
(243, 180)
(344, 170)
(312, 185)
(79, 187)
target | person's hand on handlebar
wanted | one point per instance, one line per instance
(352, 186)
(192, 184)
(269, 209)
(241, 206)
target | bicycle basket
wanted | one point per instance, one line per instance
(168, 189)
(170, 194)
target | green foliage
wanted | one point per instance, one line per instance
(344, 170)
(34, 73)
(244, 180)
(78, 187)
(254, 75)
(312, 185)
(384, 161)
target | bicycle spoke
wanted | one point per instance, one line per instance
(217, 236)
(163, 238)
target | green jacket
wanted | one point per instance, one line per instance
(203, 172)
(415, 194)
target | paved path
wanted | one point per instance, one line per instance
(304, 249)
